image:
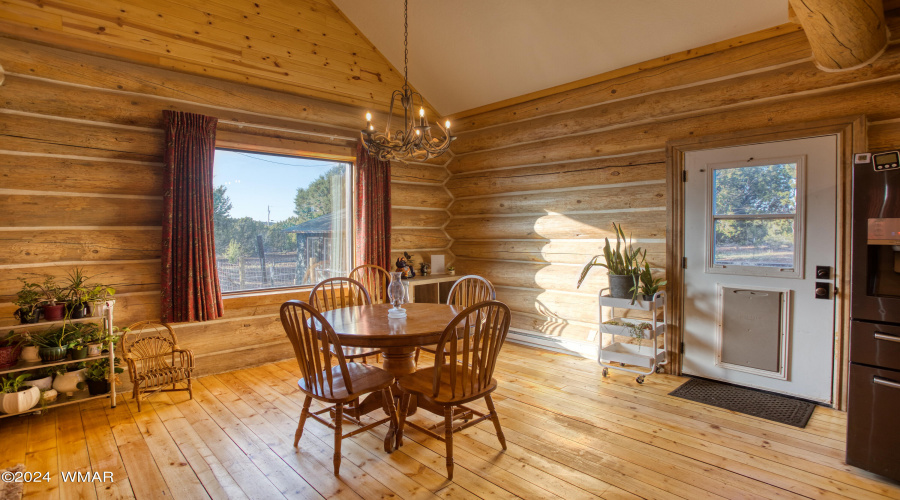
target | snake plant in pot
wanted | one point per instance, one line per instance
(624, 264)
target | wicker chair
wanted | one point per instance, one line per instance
(337, 293)
(466, 292)
(375, 280)
(155, 362)
(472, 342)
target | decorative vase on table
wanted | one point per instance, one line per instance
(397, 294)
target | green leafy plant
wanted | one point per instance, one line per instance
(52, 292)
(83, 334)
(63, 336)
(99, 370)
(77, 290)
(11, 384)
(636, 330)
(28, 299)
(624, 260)
(647, 283)
(12, 339)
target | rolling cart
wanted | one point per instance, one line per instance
(617, 355)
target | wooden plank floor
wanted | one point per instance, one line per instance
(571, 435)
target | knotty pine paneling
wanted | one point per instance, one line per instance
(81, 165)
(538, 184)
(303, 47)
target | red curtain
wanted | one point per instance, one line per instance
(190, 282)
(373, 209)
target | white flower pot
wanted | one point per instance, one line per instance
(30, 354)
(41, 383)
(94, 349)
(68, 382)
(18, 402)
(98, 309)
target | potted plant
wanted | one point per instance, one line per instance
(10, 347)
(15, 397)
(451, 270)
(29, 348)
(28, 299)
(98, 296)
(77, 293)
(54, 343)
(68, 381)
(97, 376)
(82, 335)
(42, 378)
(638, 330)
(624, 266)
(648, 285)
(54, 299)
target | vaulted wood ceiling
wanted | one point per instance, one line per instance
(304, 47)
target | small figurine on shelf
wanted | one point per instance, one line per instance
(423, 269)
(404, 266)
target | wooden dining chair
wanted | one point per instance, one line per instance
(467, 375)
(337, 293)
(375, 279)
(310, 335)
(466, 291)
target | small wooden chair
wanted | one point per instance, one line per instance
(375, 279)
(466, 291)
(337, 293)
(148, 347)
(310, 334)
(472, 341)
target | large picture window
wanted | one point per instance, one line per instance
(280, 221)
(756, 217)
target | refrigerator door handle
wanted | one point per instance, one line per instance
(885, 382)
(889, 338)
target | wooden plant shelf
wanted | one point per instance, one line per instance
(24, 366)
(62, 400)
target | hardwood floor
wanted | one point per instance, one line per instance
(571, 434)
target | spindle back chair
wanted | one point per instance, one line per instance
(466, 291)
(375, 279)
(337, 293)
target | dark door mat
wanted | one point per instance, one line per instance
(783, 409)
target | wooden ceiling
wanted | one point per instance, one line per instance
(303, 47)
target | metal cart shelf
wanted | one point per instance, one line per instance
(617, 355)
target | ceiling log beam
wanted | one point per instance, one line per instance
(844, 34)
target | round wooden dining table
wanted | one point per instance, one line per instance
(369, 326)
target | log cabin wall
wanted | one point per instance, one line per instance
(538, 184)
(81, 147)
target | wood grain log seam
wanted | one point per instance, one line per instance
(84, 158)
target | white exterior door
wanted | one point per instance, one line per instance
(758, 220)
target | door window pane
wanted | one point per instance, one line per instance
(766, 189)
(754, 242)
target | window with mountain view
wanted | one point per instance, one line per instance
(280, 221)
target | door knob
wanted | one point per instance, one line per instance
(823, 290)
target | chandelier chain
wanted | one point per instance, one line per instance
(405, 43)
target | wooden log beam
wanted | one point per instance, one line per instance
(844, 34)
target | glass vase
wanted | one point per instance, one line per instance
(397, 294)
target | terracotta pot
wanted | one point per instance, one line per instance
(17, 402)
(30, 354)
(51, 354)
(9, 355)
(54, 313)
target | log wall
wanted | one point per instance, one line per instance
(81, 145)
(538, 184)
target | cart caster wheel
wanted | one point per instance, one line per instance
(605, 372)
(621, 364)
(660, 369)
(640, 379)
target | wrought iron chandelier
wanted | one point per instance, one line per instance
(415, 142)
